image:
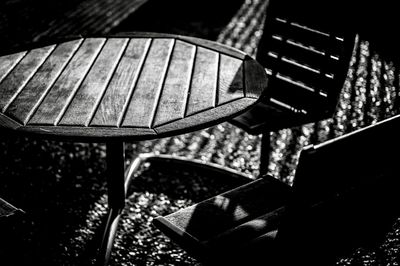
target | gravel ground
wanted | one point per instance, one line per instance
(61, 185)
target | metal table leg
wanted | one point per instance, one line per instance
(116, 198)
(118, 182)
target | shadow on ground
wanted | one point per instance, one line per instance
(61, 188)
(204, 19)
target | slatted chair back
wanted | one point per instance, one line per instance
(306, 55)
(306, 49)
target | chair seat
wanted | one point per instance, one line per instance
(227, 221)
(266, 116)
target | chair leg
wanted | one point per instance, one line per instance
(264, 153)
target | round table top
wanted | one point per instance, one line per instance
(137, 86)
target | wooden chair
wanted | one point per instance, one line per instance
(306, 50)
(345, 195)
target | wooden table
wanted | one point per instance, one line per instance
(118, 88)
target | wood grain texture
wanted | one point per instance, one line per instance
(218, 47)
(176, 86)
(24, 104)
(206, 118)
(230, 82)
(51, 109)
(8, 123)
(20, 75)
(145, 96)
(116, 98)
(8, 62)
(204, 82)
(141, 87)
(85, 101)
(256, 80)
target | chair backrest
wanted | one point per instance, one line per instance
(345, 192)
(354, 159)
(306, 49)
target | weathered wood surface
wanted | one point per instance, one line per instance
(56, 101)
(116, 98)
(23, 105)
(138, 86)
(146, 94)
(17, 79)
(204, 82)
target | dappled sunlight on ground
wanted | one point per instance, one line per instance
(61, 186)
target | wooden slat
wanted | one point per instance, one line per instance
(308, 37)
(78, 133)
(296, 71)
(145, 96)
(229, 210)
(255, 78)
(8, 123)
(302, 53)
(24, 104)
(293, 94)
(230, 82)
(173, 98)
(8, 62)
(204, 83)
(205, 118)
(131, 88)
(112, 106)
(214, 46)
(85, 101)
(55, 102)
(20, 75)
